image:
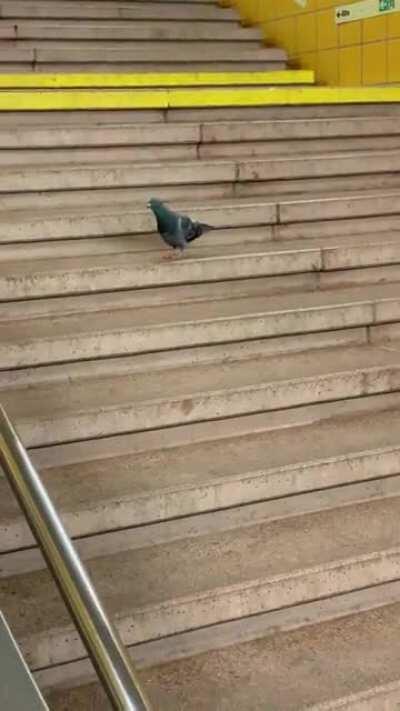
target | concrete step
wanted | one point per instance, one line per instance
(246, 238)
(127, 323)
(297, 128)
(53, 224)
(63, 216)
(335, 207)
(107, 118)
(124, 153)
(85, 272)
(126, 198)
(32, 136)
(38, 119)
(263, 113)
(147, 51)
(186, 196)
(112, 396)
(18, 61)
(114, 175)
(187, 149)
(306, 188)
(353, 649)
(293, 131)
(59, 268)
(168, 474)
(239, 567)
(316, 166)
(277, 285)
(70, 676)
(357, 225)
(116, 30)
(95, 10)
(258, 149)
(57, 56)
(106, 154)
(191, 196)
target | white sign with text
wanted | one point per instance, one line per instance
(366, 8)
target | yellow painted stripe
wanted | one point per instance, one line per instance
(191, 98)
(82, 100)
(276, 96)
(68, 81)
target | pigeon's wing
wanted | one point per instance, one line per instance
(177, 229)
(176, 234)
(168, 225)
(189, 228)
(198, 229)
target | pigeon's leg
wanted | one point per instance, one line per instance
(176, 254)
(170, 254)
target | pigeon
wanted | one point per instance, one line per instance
(175, 229)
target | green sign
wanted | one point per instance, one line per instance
(385, 5)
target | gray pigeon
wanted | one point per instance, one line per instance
(175, 229)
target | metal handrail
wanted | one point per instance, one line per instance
(99, 636)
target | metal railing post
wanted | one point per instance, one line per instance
(99, 636)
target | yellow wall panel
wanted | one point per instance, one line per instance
(328, 67)
(393, 61)
(350, 34)
(327, 30)
(374, 63)
(360, 52)
(374, 29)
(350, 66)
(306, 33)
(393, 25)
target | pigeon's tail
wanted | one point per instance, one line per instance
(206, 228)
(200, 228)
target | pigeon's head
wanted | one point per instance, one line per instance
(155, 205)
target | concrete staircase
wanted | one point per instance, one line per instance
(218, 432)
(136, 35)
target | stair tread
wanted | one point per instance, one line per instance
(355, 656)
(60, 134)
(122, 29)
(101, 314)
(190, 150)
(106, 213)
(124, 10)
(140, 205)
(256, 557)
(299, 200)
(48, 256)
(130, 52)
(235, 170)
(200, 468)
(116, 395)
(274, 160)
(126, 323)
(353, 647)
(84, 255)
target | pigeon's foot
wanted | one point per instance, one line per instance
(175, 255)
